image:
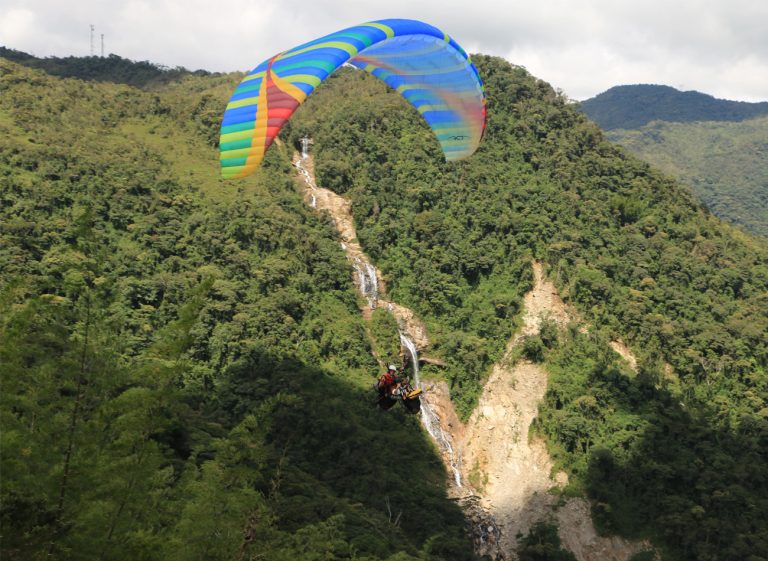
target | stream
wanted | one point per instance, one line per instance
(429, 419)
(367, 281)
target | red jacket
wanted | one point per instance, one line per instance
(388, 380)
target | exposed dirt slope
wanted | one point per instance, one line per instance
(620, 347)
(511, 470)
(542, 302)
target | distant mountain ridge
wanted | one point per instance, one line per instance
(111, 68)
(725, 163)
(632, 106)
(715, 146)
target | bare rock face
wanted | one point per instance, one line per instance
(508, 471)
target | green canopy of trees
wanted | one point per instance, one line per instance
(675, 452)
(185, 371)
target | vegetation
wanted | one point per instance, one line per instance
(185, 368)
(631, 107)
(111, 68)
(637, 256)
(689, 468)
(543, 544)
(723, 163)
(185, 371)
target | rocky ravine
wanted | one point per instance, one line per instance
(341, 211)
(514, 471)
(506, 474)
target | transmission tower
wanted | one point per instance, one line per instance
(92, 28)
(102, 45)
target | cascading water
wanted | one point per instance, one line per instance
(428, 417)
(305, 172)
(485, 529)
(411, 346)
(367, 280)
(362, 277)
(368, 284)
(373, 283)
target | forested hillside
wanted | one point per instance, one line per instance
(111, 68)
(185, 373)
(676, 452)
(718, 148)
(185, 367)
(724, 163)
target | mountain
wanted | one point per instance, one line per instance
(111, 68)
(724, 163)
(187, 374)
(631, 107)
(629, 247)
(716, 147)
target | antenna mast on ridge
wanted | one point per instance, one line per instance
(92, 28)
(102, 45)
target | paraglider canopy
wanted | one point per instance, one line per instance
(428, 68)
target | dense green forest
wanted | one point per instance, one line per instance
(676, 452)
(718, 148)
(185, 373)
(111, 68)
(185, 368)
(724, 163)
(631, 107)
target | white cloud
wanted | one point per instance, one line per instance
(16, 25)
(715, 46)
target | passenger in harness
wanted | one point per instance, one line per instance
(394, 386)
(389, 381)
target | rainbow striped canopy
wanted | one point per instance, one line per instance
(426, 66)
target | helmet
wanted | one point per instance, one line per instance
(392, 367)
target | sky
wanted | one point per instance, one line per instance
(719, 47)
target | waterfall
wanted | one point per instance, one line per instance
(373, 283)
(362, 277)
(367, 280)
(305, 172)
(408, 343)
(428, 417)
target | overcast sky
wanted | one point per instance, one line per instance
(583, 47)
